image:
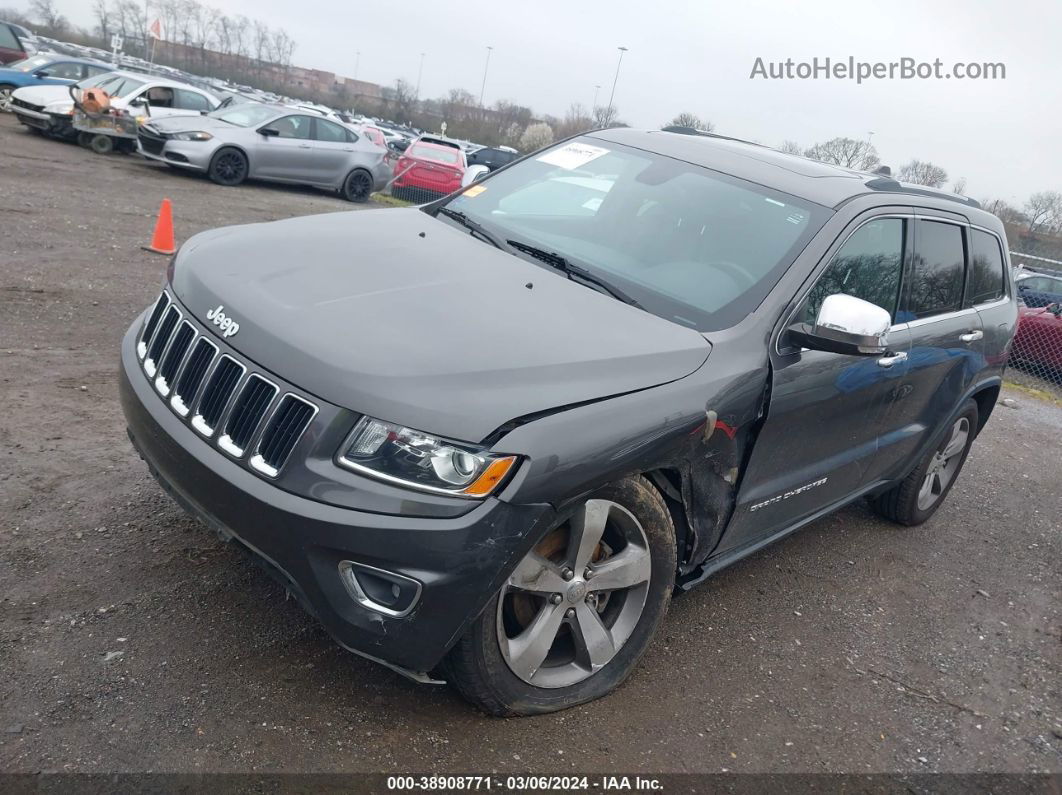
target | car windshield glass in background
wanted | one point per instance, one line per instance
(30, 64)
(118, 86)
(245, 115)
(95, 80)
(440, 155)
(690, 244)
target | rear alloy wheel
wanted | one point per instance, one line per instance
(228, 167)
(5, 96)
(357, 187)
(577, 612)
(917, 497)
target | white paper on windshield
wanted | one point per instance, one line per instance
(572, 156)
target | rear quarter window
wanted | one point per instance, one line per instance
(985, 280)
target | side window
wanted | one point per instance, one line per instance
(64, 71)
(7, 39)
(937, 270)
(190, 100)
(92, 71)
(329, 132)
(985, 279)
(868, 266)
(352, 137)
(160, 97)
(293, 127)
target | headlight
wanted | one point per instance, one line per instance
(421, 461)
(191, 136)
(60, 108)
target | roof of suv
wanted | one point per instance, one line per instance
(822, 183)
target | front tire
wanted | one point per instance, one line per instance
(228, 167)
(579, 610)
(6, 90)
(101, 144)
(918, 496)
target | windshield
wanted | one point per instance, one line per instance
(95, 80)
(117, 85)
(693, 245)
(29, 64)
(247, 115)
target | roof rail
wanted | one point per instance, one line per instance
(890, 185)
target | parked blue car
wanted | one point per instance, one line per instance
(1039, 289)
(46, 69)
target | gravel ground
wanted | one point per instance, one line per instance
(132, 640)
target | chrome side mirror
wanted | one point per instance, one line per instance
(849, 325)
(472, 174)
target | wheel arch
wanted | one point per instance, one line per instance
(985, 397)
(238, 148)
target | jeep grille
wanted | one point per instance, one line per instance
(225, 403)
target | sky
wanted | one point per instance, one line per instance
(1003, 136)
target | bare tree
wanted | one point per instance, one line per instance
(404, 100)
(103, 18)
(791, 148)
(1044, 210)
(576, 120)
(959, 186)
(846, 152)
(922, 172)
(1005, 212)
(690, 120)
(49, 16)
(605, 116)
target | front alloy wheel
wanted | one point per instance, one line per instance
(577, 612)
(5, 97)
(576, 597)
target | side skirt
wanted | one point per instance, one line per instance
(721, 561)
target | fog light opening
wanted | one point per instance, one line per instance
(393, 595)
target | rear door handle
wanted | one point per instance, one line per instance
(305, 146)
(892, 358)
(972, 336)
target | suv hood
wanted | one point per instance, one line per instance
(404, 317)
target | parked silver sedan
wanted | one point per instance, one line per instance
(269, 142)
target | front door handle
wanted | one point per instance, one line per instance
(972, 336)
(890, 359)
(305, 146)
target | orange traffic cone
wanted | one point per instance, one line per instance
(162, 241)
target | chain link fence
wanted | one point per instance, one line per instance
(1036, 357)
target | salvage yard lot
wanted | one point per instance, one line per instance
(132, 639)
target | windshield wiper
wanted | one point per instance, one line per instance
(561, 263)
(472, 226)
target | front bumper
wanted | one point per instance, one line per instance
(460, 561)
(188, 154)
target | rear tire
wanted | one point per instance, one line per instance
(918, 496)
(598, 628)
(358, 185)
(228, 167)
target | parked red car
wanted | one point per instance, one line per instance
(16, 43)
(1038, 339)
(428, 170)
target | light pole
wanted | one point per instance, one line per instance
(596, 90)
(420, 74)
(357, 63)
(608, 115)
(486, 66)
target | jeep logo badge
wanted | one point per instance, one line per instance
(226, 324)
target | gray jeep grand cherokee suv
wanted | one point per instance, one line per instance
(483, 440)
